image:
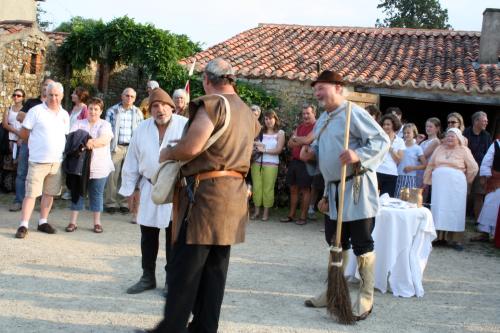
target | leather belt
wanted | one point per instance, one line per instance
(217, 174)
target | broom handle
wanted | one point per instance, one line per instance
(343, 171)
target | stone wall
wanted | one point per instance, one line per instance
(22, 61)
(292, 95)
(122, 77)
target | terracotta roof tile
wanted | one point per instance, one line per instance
(12, 27)
(390, 57)
(57, 37)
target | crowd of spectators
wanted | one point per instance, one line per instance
(80, 151)
(415, 160)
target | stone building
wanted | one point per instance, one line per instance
(425, 72)
(24, 51)
(22, 59)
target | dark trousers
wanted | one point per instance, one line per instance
(196, 281)
(150, 242)
(387, 184)
(357, 233)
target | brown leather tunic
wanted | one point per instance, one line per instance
(220, 211)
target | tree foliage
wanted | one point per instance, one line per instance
(418, 14)
(248, 92)
(156, 52)
(42, 24)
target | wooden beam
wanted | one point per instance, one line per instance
(431, 96)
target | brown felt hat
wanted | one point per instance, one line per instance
(159, 95)
(329, 77)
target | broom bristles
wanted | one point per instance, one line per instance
(338, 298)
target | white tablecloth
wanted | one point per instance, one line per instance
(402, 245)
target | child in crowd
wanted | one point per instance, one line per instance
(413, 160)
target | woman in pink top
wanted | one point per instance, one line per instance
(100, 166)
(449, 170)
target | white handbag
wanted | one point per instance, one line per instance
(169, 172)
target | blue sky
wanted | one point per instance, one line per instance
(211, 22)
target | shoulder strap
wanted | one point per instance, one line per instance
(330, 118)
(217, 134)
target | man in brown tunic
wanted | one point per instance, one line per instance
(212, 210)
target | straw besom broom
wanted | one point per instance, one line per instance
(338, 298)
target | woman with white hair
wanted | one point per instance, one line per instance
(181, 101)
(449, 170)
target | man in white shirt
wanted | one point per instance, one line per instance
(45, 128)
(140, 165)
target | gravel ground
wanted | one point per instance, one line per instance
(76, 282)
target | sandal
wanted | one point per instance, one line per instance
(71, 227)
(98, 228)
(286, 219)
(301, 222)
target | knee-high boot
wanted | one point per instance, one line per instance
(364, 303)
(320, 301)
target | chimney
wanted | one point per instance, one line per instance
(489, 47)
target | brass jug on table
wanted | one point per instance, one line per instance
(416, 196)
(404, 194)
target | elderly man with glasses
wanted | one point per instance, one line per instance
(124, 118)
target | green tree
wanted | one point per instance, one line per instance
(419, 14)
(156, 52)
(42, 24)
(75, 21)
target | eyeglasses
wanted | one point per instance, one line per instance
(131, 96)
(17, 95)
(453, 122)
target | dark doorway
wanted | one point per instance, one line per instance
(418, 111)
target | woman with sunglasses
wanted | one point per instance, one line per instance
(11, 124)
(455, 120)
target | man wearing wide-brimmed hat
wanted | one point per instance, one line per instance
(367, 146)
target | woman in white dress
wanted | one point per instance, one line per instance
(413, 160)
(449, 170)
